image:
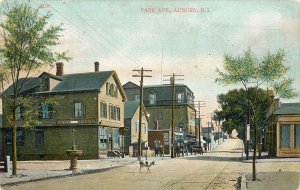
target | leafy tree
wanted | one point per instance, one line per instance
(28, 41)
(250, 72)
(234, 110)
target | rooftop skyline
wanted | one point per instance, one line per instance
(188, 38)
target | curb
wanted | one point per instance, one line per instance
(243, 182)
(85, 172)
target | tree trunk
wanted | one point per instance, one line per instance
(254, 150)
(14, 139)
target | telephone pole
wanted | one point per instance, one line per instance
(172, 81)
(141, 71)
(200, 104)
(211, 125)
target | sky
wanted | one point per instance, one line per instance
(189, 38)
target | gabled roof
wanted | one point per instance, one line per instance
(69, 83)
(82, 81)
(130, 84)
(288, 109)
(130, 108)
(27, 85)
(50, 76)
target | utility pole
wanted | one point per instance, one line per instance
(141, 71)
(200, 104)
(172, 81)
(211, 125)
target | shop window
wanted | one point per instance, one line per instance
(39, 138)
(116, 138)
(103, 137)
(20, 137)
(297, 136)
(285, 136)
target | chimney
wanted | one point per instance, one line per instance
(59, 69)
(96, 66)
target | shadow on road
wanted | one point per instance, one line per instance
(215, 158)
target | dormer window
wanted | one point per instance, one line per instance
(152, 98)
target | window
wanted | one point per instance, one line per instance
(297, 136)
(115, 91)
(180, 97)
(160, 115)
(137, 97)
(107, 88)
(285, 136)
(145, 128)
(78, 109)
(136, 127)
(152, 98)
(39, 138)
(111, 92)
(46, 111)
(20, 136)
(103, 107)
(116, 138)
(19, 112)
(111, 112)
(103, 137)
(118, 113)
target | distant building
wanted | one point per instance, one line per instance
(131, 123)
(283, 131)
(90, 107)
(158, 103)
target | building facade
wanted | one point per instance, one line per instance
(158, 103)
(88, 112)
(131, 124)
(283, 131)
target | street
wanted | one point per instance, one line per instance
(219, 169)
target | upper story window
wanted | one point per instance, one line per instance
(145, 128)
(107, 88)
(179, 97)
(115, 91)
(190, 98)
(136, 127)
(19, 112)
(46, 111)
(111, 89)
(118, 113)
(160, 115)
(152, 98)
(103, 107)
(78, 109)
(137, 97)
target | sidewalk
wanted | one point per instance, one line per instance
(29, 171)
(266, 159)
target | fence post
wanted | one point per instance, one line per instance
(7, 164)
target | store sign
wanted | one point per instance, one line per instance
(74, 122)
